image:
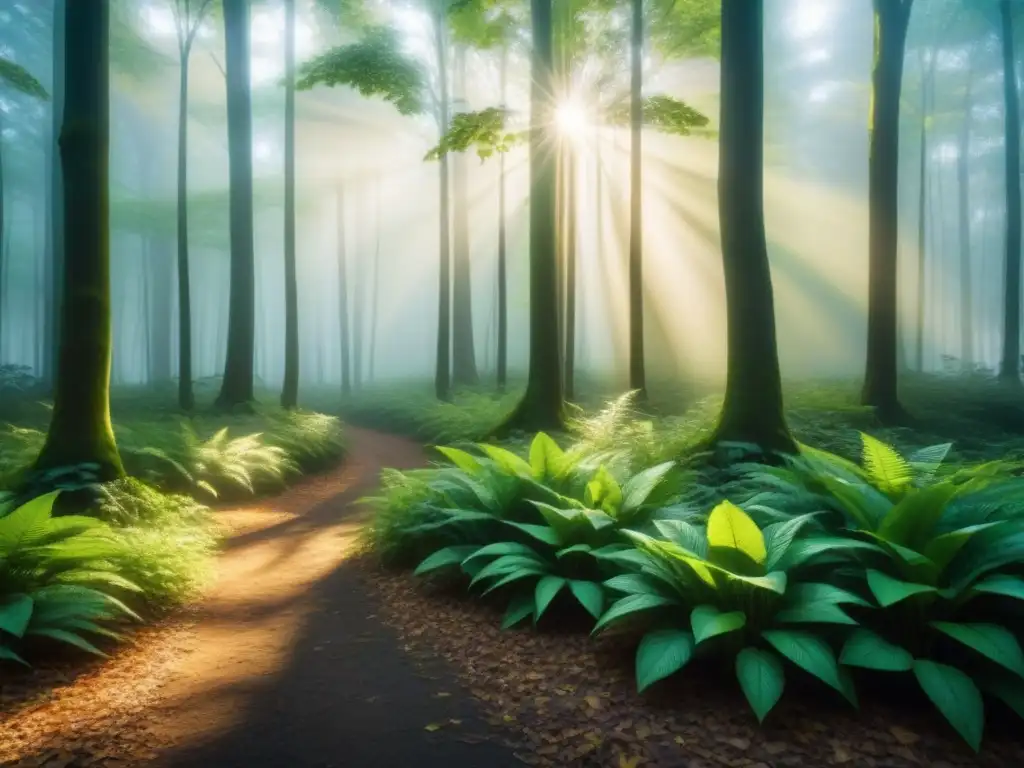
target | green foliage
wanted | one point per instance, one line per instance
(663, 113)
(58, 579)
(486, 130)
(374, 66)
(21, 80)
(686, 28)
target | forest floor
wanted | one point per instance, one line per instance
(306, 654)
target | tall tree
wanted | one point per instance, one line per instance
(188, 18)
(346, 364)
(80, 431)
(637, 377)
(892, 17)
(237, 387)
(543, 405)
(464, 371)
(1009, 369)
(502, 351)
(290, 391)
(752, 411)
(55, 205)
(442, 373)
(964, 224)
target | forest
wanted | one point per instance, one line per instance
(511, 382)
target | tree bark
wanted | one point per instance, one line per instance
(375, 289)
(922, 225)
(55, 207)
(186, 395)
(80, 431)
(880, 376)
(1009, 370)
(346, 370)
(442, 374)
(543, 405)
(637, 375)
(464, 370)
(290, 391)
(569, 188)
(502, 352)
(237, 387)
(162, 271)
(752, 411)
(3, 243)
(964, 226)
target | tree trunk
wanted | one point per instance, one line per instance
(3, 242)
(147, 308)
(964, 225)
(570, 273)
(442, 375)
(162, 271)
(637, 376)
(375, 295)
(921, 232)
(752, 411)
(237, 387)
(502, 352)
(880, 376)
(358, 302)
(290, 391)
(346, 371)
(186, 395)
(80, 430)
(1009, 370)
(543, 405)
(55, 206)
(464, 371)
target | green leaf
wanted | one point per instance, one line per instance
(629, 605)
(889, 591)
(21, 79)
(1007, 689)
(602, 491)
(762, 679)
(465, 461)
(912, 521)
(810, 653)
(575, 549)
(889, 471)
(519, 608)
(730, 527)
(517, 574)
(1002, 584)
(991, 640)
(660, 654)
(506, 564)
(15, 614)
(444, 558)
(632, 584)
(955, 696)
(546, 458)
(809, 603)
(541, 533)
(588, 594)
(507, 461)
(70, 638)
(942, 549)
(637, 489)
(778, 537)
(866, 649)
(545, 591)
(707, 622)
(9, 655)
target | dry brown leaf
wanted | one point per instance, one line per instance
(904, 736)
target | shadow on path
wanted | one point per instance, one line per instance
(292, 668)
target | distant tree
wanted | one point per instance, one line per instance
(752, 411)
(290, 390)
(237, 387)
(80, 432)
(1009, 370)
(892, 17)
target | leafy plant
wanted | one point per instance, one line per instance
(730, 588)
(56, 578)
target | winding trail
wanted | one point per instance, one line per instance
(291, 669)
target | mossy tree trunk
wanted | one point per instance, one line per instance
(637, 374)
(752, 411)
(442, 373)
(290, 390)
(543, 405)
(1009, 369)
(880, 389)
(80, 431)
(237, 387)
(55, 210)
(569, 187)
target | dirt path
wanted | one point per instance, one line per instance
(289, 667)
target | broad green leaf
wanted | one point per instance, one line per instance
(886, 468)
(499, 548)
(762, 679)
(575, 549)
(814, 613)
(707, 622)
(516, 574)
(779, 536)
(603, 491)
(889, 591)
(729, 526)
(686, 535)
(810, 653)
(632, 584)
(661, 653)
(991, 640)
(866, 649)
(804, 551)
(542, 533)
(506, 564)
(15, 614)
(546, 458)
(465, 461)
(637, 489)
(588, 594)
(506, 460)
(927, 460)
(545, 591)
(70, 638)
(519, 608)
(956, 697)
(942, 549)
(912, 521)
(1002, 584)
(1007, 689)
(444, 558)
(630, 604)
(817, 603)
(9, 655)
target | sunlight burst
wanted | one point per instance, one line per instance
(571, 119)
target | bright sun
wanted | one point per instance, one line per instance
(571, 119)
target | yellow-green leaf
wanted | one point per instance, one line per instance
(731, 527)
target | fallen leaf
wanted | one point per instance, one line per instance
(593, 701)
(432, 727)
(629, 762)
(841, 755)
(903, 735)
